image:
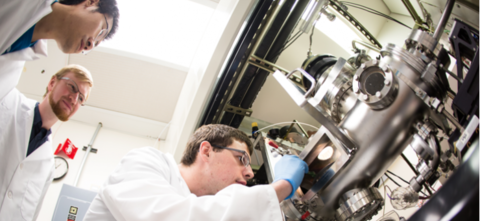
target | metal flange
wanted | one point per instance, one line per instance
(375, 85)
(337, 101)
(423, 43)
(359, 204)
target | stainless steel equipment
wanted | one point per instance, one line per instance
(370, 113)
(370, 109)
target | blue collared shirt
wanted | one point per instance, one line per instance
(38, 135)
(24, 41)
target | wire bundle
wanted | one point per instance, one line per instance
(373, 11)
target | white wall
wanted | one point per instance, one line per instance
(112, 146)
(395, 33)
(219, 37)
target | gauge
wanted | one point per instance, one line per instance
(61, 168)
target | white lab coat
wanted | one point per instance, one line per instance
(147, 185)
(16, 17)
(23, 180)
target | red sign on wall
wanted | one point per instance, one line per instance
(68, 148)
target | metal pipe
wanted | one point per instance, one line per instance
(443, 20)
(89, 148)
(371, 47)
(435, 146)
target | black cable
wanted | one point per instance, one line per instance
(292, 39)
(289, 40)
(379, 14)
(410, 164)
(390, 172)
(402, 180)
(392, 180)
(428, 189)
(293, 36)
(290, 43)
(311, 35)
(373, 11)
(299, 33)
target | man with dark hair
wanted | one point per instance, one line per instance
(208, 184)
(25, 25)
(26, 165)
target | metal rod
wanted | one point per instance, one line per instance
(451, 74)
(453, 120)
(254, 57)
(301, 128)
(443, 20)
(86, 154)
(261, 67)
(451, 94)
(412, 12)
(289, 129)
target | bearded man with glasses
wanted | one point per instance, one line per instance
(208, 184)
(77, 26)
(27, 165)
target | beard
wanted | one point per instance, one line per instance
(57, 110)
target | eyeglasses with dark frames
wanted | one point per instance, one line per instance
(245, 158)
(101, 35)
(73, 88)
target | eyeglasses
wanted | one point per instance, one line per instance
(245, 158)
(73, 88)
(101, 35)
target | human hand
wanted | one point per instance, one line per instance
(292, 169)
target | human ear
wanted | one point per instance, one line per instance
(51, 83)
(89, 3)
(205, 149)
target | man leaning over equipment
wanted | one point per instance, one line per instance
(26, 165)
(208, 184)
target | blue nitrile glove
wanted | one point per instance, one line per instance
(291, 169)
